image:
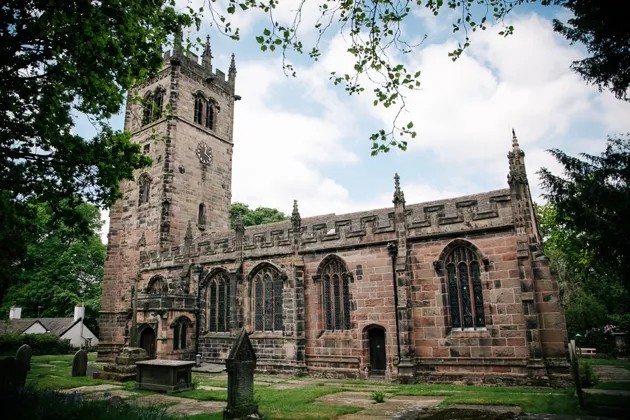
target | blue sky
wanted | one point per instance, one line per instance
(303, 138)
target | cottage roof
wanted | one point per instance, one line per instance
(57, 326)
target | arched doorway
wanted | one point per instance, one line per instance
(376, 349)
(147, 340)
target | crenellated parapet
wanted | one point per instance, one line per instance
(487, 211)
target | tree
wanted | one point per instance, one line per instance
(602, 26)
(62, 58)
(593, 200)
(62, 267)
(592, 294)
(378, 39)
(260, 216)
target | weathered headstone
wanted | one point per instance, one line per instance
(575, 372)
(79, 363)
(23, 356)
(240, 365)
(12, 375)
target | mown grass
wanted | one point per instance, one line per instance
(55, 372)
(299, 402)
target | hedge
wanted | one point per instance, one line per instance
(39, 343)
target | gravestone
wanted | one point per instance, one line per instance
(12, 375)
(575, 372)
(23, 356)
(240, 366)
(79, 363)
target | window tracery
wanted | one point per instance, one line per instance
(267, 291)
(463, 276)
(152, 106)
(180, 333)
(336, 294)
(219, 303)
(205, 111)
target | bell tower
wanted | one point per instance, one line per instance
(183, 119)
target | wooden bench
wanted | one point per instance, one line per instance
(587, 351)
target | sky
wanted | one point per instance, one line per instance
(302, 138)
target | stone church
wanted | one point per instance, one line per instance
(449, 290)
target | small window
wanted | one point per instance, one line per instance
(144, 189)
(201, 217)
(180, 331)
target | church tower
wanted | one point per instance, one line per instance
(183, 119)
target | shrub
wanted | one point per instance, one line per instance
(378, 396)
(587, 374)
(39, 343)
(38, 405)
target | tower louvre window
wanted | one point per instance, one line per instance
(205, 111)
(464, 289)
(147, 112)
(152, 106)
(199, 102)
(209, 115)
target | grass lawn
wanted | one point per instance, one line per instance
(298, 402)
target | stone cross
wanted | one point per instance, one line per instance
(240, 366)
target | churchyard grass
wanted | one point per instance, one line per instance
(54, 372)
(279, 397)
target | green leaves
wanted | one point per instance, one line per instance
(259, 216)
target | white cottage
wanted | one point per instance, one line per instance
(72, 329)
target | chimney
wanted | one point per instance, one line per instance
(79, 312)
(15, 312)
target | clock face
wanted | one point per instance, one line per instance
(204, 153)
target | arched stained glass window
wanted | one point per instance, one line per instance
(267, 288)
(464, 288)
(219, 303)
(336, 294)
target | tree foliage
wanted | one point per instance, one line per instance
(379, 35)
(602, 26)
(62, 267)
(586, 233)
(592, 294)
(259, 216)
(593, 200)
(62, 58)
